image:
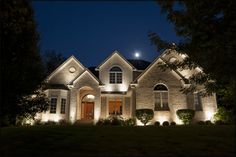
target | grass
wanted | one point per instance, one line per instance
(66, 141)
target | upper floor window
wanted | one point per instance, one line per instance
(115, 75)
(53, 105)
(197, 101)
(161, 98)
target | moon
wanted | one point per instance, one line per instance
(136, 54)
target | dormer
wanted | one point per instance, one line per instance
(116, 73)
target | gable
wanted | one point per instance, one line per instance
(119, 59)
(159, 59)
(86, 78)
(66, 72)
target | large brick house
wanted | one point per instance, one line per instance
(119, 86)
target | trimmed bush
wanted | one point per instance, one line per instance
(165, 123)
(201, 123)
(144, 115)
(185, 115)
(172, 123)
(157, 123)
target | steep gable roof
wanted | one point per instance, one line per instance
(64, 64)
(153, 63)
(139, 64)
(80, 75)
(116, 53)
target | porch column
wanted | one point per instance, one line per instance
(73, 100)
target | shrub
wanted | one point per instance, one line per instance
(208, 122)
(157, 123)
(38, 122)
(62, 122)
(130, 122)
(50, 122)
(219, 122)
(223, 115)
(172, 123)
(201, 123)
(100, 122)
(185, 115)
(165, 123)
(144, 115)
(107, 122)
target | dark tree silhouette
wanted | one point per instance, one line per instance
(208, 30)
(21, 66)
(52, 60)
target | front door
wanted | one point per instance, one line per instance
(88, 110)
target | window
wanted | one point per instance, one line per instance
(115, 107)
(197, 101)
(161, 98)
(63, 106)
(53, 105)
(115, 75)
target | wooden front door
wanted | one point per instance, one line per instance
(88, 110)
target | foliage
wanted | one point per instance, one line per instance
(223, 115)
(63, 122)
(201, 123)
(50, 122)
(144, 115)
(165, 123)
(130, 122)
(172, 123)
(21, 67)
(208, 122)
(52, 60)
(111, 120)
(31, 105)
(208, 39)
(157, 123)
(186, 115)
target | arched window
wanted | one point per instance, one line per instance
(161, 98)
(115, 75)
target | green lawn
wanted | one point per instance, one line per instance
(118, 141)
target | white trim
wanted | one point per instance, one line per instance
(63, 65)
(86, 71)
(109, 57)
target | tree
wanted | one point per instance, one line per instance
(144, 115)
(21, 66)
(52, 60)
(208, 30)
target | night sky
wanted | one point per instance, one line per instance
(93, 30)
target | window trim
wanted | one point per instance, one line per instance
(115, 75)
(161, 100)
(50, 111)
(64, 106)
(115, 99)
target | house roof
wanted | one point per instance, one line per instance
(149, 67)
(139, 64)
(56, 86)
(116, 52)
(63, 64)
(81, 74)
